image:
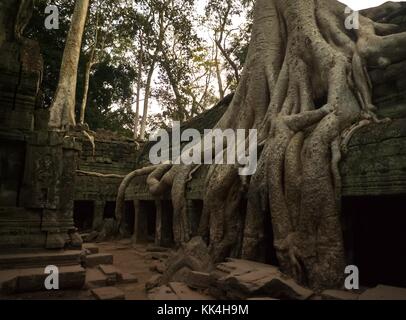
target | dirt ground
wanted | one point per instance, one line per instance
(127, 258)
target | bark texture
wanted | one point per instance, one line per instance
(306, 89)
(62, 112)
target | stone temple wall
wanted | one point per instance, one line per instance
(37, 166)
(112, 155)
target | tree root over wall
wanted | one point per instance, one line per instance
(305, 88)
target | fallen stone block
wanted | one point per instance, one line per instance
(95, 278)
(128, 278)
(199, 280)
(247, 279)
(40, 259)
(94, 260)
(110, 271)
(92, 236)
(91, 248)
(382, 292)
(153, 282)
(30, 280)
(108, 293)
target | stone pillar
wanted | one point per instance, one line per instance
(98, 214)
(140, 223)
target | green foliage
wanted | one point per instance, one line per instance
(184, 69)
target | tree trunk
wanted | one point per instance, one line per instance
(218, 74)
(305, 89)
(229, 60)
(161, 35)
(89, 65)
(62, 112)
(146, 101)
(139, 83)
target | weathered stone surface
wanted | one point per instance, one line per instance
(109, 230)
(339, 295)
(108, 293)
(39, 259)
(76, 240)
(28, 280)
(91, 248)
(128, 278)
(376, 160)
(94, 260)
(247, 279)
(95, 278)
(199, 280)
(382, 292)
(111, 272)
(192, 256)
(185, 293)
(92, 236)
(153, 282)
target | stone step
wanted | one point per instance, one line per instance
(39, 259)
(93, 260)
(91, 248)
(127, 278)
(30, 280)
(95, 278)
(199, 280)
(111, 272)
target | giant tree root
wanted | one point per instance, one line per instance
(305, 87)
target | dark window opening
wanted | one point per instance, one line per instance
(83, 212)
(375, 238)
(129, 216)
(147, 223)
(109, 210)
(12, 161)
(167, 224)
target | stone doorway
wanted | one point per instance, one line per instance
(145, 221)
(12, 161)
(83, 212)
(109, 210)
(129, 216)
(375, 238)
(164, 228)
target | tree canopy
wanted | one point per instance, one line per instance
(146, 57)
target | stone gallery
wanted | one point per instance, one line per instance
(328, 194)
